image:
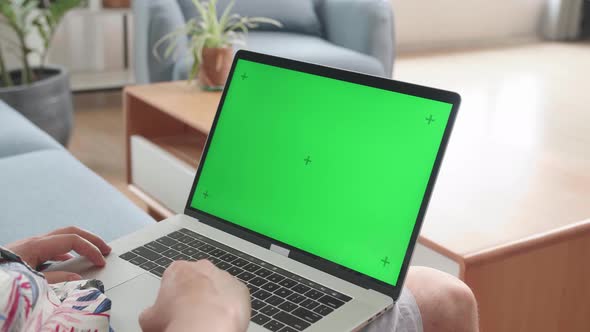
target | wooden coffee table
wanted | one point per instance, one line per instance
(491, 221)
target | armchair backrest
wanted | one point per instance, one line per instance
(297, 16)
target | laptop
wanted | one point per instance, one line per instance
(311, 189)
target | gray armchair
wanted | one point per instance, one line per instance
(356, 35)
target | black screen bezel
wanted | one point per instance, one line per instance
(304, 257)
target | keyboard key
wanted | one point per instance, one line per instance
(296, 298)
(253, 289)
(185, 239)
(245, 276)
(146, 253)
(189, 251)
(240, 262)
(196, 243)
(330, 301)
(314, 294)
(287, 329)
(251, 267)
(181, 257)
(223, 265)
(257, 304)
(339, 296)
(138, 260)
(300, 288)
(307, 315)
(288, 306)
(189, 232)
(128, 256)
(176, 235)
(179, 246)
(288, 283)
(170, 253)
(263, 272)
(200, 255)
(274, 300)
(207, 248)
(148, 266)
(213, 260)
(273, 325)
(260, 319)
(275, 277)
(262, 294)
(269, 310)
(159, 271)
(323, 310)
(167, 241)
(157, 247)
(309, 304)
(291, 321)
(234, 271)
(217, 253)
(271, 287)
(258, 281)
(228, 258)
(165, 262)
(283, 292)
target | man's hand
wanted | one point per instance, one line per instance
(56, 246)
(197, 296)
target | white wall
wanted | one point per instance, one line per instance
(435, 24)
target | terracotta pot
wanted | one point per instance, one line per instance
(215, 67)
(116, 3)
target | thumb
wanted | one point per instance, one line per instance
(148, 321)
(61, 276)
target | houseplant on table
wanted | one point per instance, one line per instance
(210, 41)
(41, 93)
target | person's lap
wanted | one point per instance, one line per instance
(404, 316)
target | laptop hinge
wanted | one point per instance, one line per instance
(279, 250)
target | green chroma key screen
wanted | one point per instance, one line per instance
(333, 168)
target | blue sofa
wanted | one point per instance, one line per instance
(356, 35)
(43, 187)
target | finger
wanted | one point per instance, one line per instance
(55, 245)
(63, 257)
(61, 276)
(92, 238)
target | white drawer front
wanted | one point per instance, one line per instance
(160, 174)
(424, 256)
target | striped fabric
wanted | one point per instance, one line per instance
(28, 303)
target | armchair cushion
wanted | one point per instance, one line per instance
(295, 15)
(303, 48)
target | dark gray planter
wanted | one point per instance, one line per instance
(47, 102)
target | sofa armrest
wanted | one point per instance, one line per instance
(365, 26)
(152, 20)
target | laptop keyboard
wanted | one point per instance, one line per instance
(280, 300)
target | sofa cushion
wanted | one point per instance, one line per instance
(303, 48)
(45, 190)
(295, 15)
(18, 135)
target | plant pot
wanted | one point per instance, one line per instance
(116, 3)
(47, 102)
(215, 67)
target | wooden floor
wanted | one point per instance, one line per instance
(532, 98)
(97, 139)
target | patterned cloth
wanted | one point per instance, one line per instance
(29, 303)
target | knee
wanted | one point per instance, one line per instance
(445, 302)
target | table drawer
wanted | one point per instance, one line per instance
(160, 174)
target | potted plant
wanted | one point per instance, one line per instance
(210, 41)
(41, 93)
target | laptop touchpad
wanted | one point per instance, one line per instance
(130, 299)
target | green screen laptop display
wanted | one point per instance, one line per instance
(333, 168)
